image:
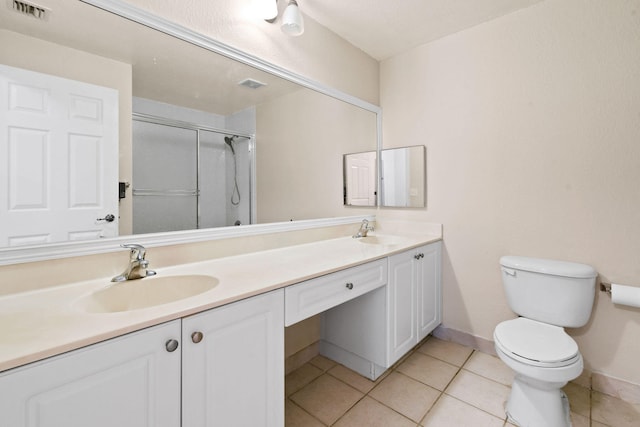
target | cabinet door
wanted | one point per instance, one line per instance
(130, 381)
(401, 294)
(233, 373)
(429, 288)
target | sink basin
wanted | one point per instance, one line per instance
(379, 240)
(144, 293)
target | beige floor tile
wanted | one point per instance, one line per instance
(294, 416)
(490, 367)
(428, 370)
(480, 392)
(300, 378)
(369, 413)
(322, 363)
(324, 393)
(404, 394)
(402, 359)
(352, 378)
(450, 412)
(579, 420)
(446, 351)
(579, 399)
(614, 412)
(326, 398)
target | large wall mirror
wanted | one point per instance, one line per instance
(202, 139)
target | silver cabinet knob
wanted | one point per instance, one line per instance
(196, 337)
(171, 345)
(349, 285)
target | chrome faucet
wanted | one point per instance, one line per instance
(137, 268)
(363, 230)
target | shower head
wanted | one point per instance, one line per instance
(229, 141)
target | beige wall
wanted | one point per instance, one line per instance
(532, 128)
(318, 54)
(38, 55)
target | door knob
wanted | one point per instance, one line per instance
(108, 218)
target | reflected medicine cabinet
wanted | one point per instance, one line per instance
(402, 178)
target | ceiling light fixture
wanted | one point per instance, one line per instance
(292, 20)
(268, 10)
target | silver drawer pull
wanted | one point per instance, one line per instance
(349, 285)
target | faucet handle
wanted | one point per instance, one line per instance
(137, 251)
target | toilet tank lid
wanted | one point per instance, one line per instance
(549, 266)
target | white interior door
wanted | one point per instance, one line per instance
(361, 179)
(59, 151)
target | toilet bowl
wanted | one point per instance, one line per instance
(544, 358)
(548, 295)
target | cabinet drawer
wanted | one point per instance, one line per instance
(314, 296)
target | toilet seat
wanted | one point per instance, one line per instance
(535, 343)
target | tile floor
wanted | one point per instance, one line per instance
(439, 383)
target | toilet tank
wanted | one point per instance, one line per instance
(556, 292)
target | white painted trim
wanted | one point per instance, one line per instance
(73, 249)
(148, 19)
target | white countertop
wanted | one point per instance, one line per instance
(39, 324)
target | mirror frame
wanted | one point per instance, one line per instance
(72, 249)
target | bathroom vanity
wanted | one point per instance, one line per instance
(217, 358)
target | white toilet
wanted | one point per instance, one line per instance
(548, 295)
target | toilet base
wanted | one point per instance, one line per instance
(536, 404)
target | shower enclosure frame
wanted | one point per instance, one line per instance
(197, 127)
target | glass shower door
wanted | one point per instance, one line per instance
(165, 178)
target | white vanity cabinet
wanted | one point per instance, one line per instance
(130, 381)
(370, 333)
(233, 364)
(222, 367)
(414, 298)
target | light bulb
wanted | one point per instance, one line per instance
(292, 21)
(268, 10)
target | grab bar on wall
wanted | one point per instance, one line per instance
(171, 193)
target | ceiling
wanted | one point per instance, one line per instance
(381, 28)
(384, 28)
(164, 68)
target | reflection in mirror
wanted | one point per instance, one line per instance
(360, 179)
(403, 177)
(288, 136)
